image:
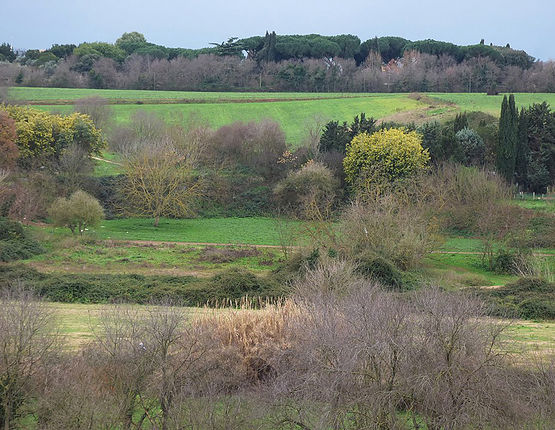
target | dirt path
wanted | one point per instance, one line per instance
(106, 161)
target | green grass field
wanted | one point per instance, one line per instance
(34, 94)
(252, 231)
(294, 113)
(491, 104)
(294, 116)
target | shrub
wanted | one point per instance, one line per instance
(468, 199)
(233, 284)
(15, 243)
(372, 266)
(384, 157)
(309, 192)
(77, 213)
(471, 147)
(256, 145)
(389, 228)
(530, 298)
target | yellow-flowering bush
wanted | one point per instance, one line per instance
(41, 134)
(384, 156)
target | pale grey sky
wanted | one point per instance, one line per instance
(527, 25)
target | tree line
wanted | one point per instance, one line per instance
(281, 63)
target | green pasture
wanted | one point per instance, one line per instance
(294, 116)
(491, 104)
(252, 231)
(71, 255)
(36, 94)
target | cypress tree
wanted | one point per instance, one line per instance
(508, 137)
(522, 150)
(461, 121)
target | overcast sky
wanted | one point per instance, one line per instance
(528, 24)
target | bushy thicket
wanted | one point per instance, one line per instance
(15, 243)
(107, 288)
(310, 192)
(530, 298)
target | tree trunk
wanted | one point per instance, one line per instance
(156, 220)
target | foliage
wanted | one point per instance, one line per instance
(536, 157)
(508, 137)
(77, 213)
(15, 243)
(336, 137)
(309, 192)
(385, 156)
(461, 122)
(132, 288)
(471, 147)
(372, 266)
(529, 298)
(41, 135)
(8, 149)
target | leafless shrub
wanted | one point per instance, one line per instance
(397, 231)
(456, 377)
(97, 108)
(27, 343)
(328, 279)
(258, 145)
(76, 398)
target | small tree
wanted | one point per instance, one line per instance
(384, 157)
(77, 213)
(471, 147)
(158, 183)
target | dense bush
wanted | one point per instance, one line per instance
(471, 147)
(530, 298)
(309, 192)
(15, 244)
(384, 157)
(79, 212)
(108, 288)
(233, 192)
(41, 135)
(372, 266)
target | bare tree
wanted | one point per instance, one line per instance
(158, 183)
(27, 341)
(97, 108)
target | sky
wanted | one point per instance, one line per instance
(528, 25)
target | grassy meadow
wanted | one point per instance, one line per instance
(294, 111)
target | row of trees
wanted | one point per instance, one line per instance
(413, 72)
(526, 150)
(282, 63)
(274, 48)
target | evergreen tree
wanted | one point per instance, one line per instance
(461, 122)
(508, 136)
(522, 150)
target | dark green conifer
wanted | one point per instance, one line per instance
(508, 137)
